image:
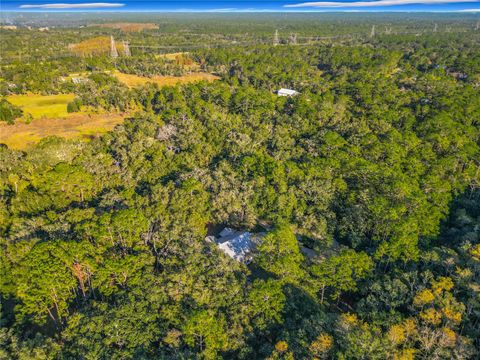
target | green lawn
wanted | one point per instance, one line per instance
(42, 106)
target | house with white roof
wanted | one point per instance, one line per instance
(287, 92)
(239, 245)
(79, 80)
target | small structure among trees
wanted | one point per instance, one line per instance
(79, 80)
(239, 245)
(287, 92)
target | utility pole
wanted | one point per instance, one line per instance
(126, 48)
(372, 33)
(113, 48)
(275, 39)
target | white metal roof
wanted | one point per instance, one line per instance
(287, 92)
(238, 246)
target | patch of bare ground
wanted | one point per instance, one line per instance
(78, 126)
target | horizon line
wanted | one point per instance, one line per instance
(460, 11)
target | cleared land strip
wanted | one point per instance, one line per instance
(135, 80)
(21, 135)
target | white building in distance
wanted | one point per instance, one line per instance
(287, 92)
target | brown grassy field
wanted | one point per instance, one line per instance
(172, 56)
(179, 58)
(76, 126)
(96, 46)
(129, 27)
(134, 80)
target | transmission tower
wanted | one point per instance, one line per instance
(275, 39)
(388, 30)
(126, 48)
(372, 32)
(435, 27)
(113, 48)
(477, 27)
(293, 39)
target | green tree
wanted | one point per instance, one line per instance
(45, 283)
(206, 332)
(279, 254)
(341, 272)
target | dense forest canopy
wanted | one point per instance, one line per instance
(366, 186)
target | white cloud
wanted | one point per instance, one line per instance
(334, 4)
(469, 10)
(221, 10)
(73, 6)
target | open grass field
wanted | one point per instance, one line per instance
(134, 80)
(128, 27)
(99, 45)
(42, 106)
(172, 56)
(77, 126)
(180, 58)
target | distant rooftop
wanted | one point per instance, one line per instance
(287, 92)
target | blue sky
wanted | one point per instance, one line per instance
(466, 6)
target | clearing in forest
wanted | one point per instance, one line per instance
(42, 106)
(181, 58)
(128, 27)
(135, 80)
(172, 56)
(99, 45)
(77, 126)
